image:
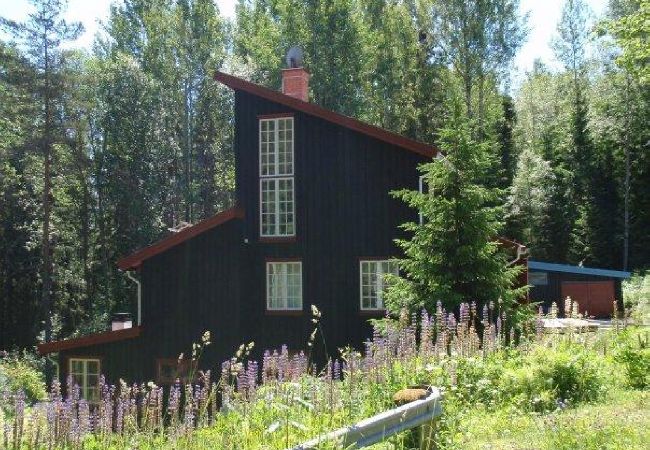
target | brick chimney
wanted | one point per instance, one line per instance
(295, 83)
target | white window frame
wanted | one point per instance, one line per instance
(278, 223)
(421, 190)
(381, 286)
(84, 387)
(276, 176)
(284, 287)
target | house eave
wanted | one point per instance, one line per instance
(134, 261)
(89, 340)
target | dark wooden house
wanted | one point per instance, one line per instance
(314, 224)
(595, 290)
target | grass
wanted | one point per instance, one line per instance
(621, 421)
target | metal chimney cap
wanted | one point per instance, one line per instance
(294, 57)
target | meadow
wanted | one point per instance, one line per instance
(503, 388)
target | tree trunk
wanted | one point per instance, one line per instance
(46, 270)
(626, 185)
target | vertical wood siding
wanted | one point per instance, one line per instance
(216, 281)
(343, 212)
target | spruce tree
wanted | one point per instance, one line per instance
(453, 255)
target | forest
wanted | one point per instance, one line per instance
(103, 151)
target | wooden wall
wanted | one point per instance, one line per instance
(343, 212)
(552, 292)
(216, 281)
(186, 290)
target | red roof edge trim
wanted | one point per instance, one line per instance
(309, 108)
(134, 260)
(88, 340)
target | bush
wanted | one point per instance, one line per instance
(632, 349)
(480, 380)
(22, 372)
(636, 297)
(549, 378)
(540, 380)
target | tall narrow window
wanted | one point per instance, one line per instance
(277, 200)
(284, 286)
(374, 283)
(423, 187)
(85, 374)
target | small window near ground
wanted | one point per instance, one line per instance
(374, 283)
(168, 370)
(284, 286)
(85, 374)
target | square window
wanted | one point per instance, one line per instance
(85, 373)
(373, 282)
(284, 285)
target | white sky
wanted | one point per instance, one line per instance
(542, 21)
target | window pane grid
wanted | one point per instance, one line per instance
(277, 216)
(85, 374)
(276, 147)
(284, 285)
(277, 207)
(373, 282)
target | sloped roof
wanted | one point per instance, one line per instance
(325, 114)
(88, 340)
(134, 260)
(553, 267)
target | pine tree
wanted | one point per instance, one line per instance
(453, 255)
(43, 35)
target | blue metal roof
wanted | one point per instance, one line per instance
(552, 267)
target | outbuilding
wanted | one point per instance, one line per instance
(594, 289)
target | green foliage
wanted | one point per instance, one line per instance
(631, 34)
(22, 372)
(619, 422)
(452, 256)
(632, 350)
(541, 379)
(546, 379)
(636, 298)
(530, 196)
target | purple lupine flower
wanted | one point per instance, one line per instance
(451, 321)
(463, 314)
(84, 418)
(266, 366)
(252, 370)
(188, 410)
(337, 370)
(283, 363)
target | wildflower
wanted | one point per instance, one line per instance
(274, 426)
